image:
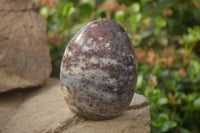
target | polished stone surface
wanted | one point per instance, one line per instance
(99, 70)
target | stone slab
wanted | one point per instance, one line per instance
(43, 110)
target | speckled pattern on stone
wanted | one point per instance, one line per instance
(99, 70)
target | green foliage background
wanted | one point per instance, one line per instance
(166, 35)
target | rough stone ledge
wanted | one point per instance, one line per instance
(44, 110)
(17, 5)
(24, 52)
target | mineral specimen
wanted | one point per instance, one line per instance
(99, 71)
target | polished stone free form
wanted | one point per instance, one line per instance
(99, 71)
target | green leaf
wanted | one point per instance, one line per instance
(175, 27)
(156, 94)
(163, 4)
(139, 80)
(165, 73)
(193, 69)
(197, 103)
(165, 128)
(68, 9)
(160, 22)
(85, 9)
(171, 84)
(146, 33)
(172, 124)
(183, 130)
(163, 101)
(134, 19)
(92, 2)
(191, 97)
(176, 76)
(135, 7)
(155, 124)
(119, 15)
(149, 10)
(162, 119)
(126, 2)
(168, 125)
(44, 11)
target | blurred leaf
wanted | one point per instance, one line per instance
(163, 101)
(160, 22)
(165, 73)
(171, 84)
(176, 27)
(172, 124)
(146, 33)
(119, 15)
(191, 97)
(156, 95)
(197, 103)
(150, 10)
(127, 2)
(139, 80)
(165, 128)
(44, 11)
(85, 9)
(167, 3)
(92, 2)
(135, 7)
(192, 14)
(183, 130)
(68, 9)
(162, 119)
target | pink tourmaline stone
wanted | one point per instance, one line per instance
(99, 70)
